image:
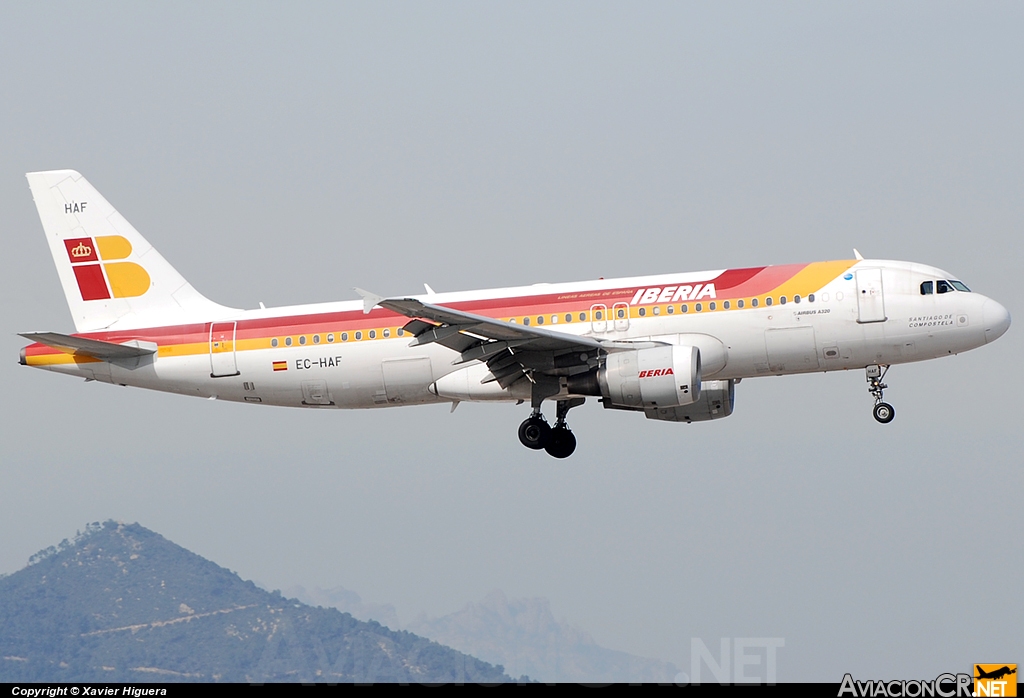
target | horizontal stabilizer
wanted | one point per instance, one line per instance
(104, 351)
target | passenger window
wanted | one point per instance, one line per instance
(726, 305)
(287, 341)
(568, 317)
(671, 309)
(540, 319)
(400, 331)
(273, 342)
(753, 302)
(796, 299)
(526, 320)
(554, 319)
(711, 305)
(685, 308)
(583, 317)
(344, 336)
(943, 286)
(302, 339)
(926, 288)
(330, 338)
(768, 300)
(782, 300)
(657, 310)
(359, 335)
(387, 333)
(316, 339)
(373, 334)
(621, 313)
(698, 307)
(739, 303)
(642, 311)
(810, 298)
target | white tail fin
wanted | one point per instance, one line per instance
(110, 274)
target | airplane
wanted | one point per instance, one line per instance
(995, 674)
(672, 347)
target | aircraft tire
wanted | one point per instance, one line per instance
(562, 443)
(884, 413)
(534, 433)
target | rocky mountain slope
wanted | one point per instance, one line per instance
(122, 603)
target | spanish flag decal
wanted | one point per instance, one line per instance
(280, 365)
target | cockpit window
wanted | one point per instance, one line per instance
(943, 286)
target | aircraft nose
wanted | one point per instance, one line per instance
(996, 318)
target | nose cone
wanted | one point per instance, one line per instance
(997, 320)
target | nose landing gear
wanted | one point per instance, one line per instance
(558, 441)
(883, 411)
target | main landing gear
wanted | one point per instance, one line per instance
(558, 440)
(883, 411)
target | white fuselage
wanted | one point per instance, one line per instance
(839, 329)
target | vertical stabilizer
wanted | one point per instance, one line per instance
(110, 274)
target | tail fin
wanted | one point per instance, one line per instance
(109, 272)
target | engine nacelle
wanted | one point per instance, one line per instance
(658, 377)
(717, 399)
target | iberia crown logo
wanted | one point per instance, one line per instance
(112, 279)
(81, 250)
(995, 680)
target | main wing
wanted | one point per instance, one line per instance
(511, 351)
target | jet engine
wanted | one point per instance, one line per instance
(666, 376)
(717, 399)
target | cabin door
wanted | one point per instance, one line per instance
(870, 300)
(222, 349)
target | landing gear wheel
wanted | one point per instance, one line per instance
(884, 412)
(562, 443)
(534, 433)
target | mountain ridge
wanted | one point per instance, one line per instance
(522, 635)
(122, 603)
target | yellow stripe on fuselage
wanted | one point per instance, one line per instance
(812, 278)
(808, 280)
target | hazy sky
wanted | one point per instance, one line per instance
(285, 153)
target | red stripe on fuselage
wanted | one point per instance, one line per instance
(765, 280)
(733, 283)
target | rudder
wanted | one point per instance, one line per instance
(109, 272)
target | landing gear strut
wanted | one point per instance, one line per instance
(883, 411)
